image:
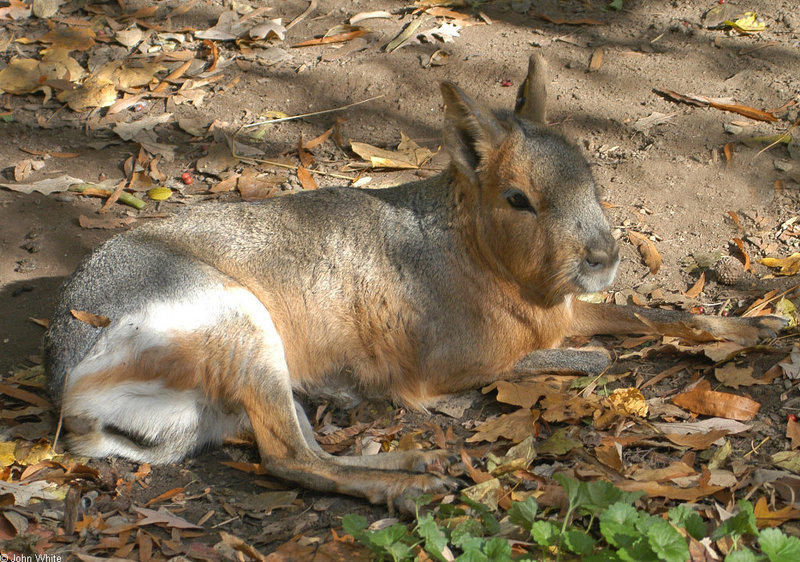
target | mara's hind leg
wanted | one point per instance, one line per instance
(288, 450)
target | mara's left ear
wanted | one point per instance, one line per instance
(532, 96)
(469, 130)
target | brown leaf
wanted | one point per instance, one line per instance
(793, 433)
(246, 467)
(751, 112)
(654, 489)
(647, 249)
(163, 517)
(338, 38)
(105, 222)
(24, 395)
(477, 475)
(675, 96)
(702, 400)
(697, 288)
(165, 496)
(315, 142)
(515, 426)
(697, 441)
(740, 245)
(95, 320)
(767, 518)
(596, 60)
(609, 455)
(228, 184)
(734, 377)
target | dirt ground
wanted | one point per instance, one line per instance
(672, 180)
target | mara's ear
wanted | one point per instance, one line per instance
(532, 96)
(469, 130)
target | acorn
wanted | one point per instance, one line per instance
(728, 270)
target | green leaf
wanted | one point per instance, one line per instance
(601, 494)
(578, 542)
(473, 555)
(778, 546)
(615, 5)
(545, 533)
(400, 551)
(486, 517)
(639, 551)
(389, 535)
(575, 489)
(435, 539)
(354, 524)
(497, 549)
(741, 555)
(524, 513)
(684, 516)
(743, 523)
(467, 535)
(618, 525)
(667, 542)
(602, 556)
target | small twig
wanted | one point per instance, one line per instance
(301, 116)
(292, 117)
(312, 5)
(60, 412)
(756, 448)
(289, 166)
(780, 139)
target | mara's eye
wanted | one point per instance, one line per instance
(518, 200)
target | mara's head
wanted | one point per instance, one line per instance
(529, 194)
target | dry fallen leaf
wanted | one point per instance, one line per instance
(515, 426)
(734, 377)
(702, 400)
(95, 320)
(629, 401)
(787, 266)
(105, 222)
(697, 288)
(793, 433)
(767, 518)
(306, 179)
(697, 441)
(647, 249)
(596, 60)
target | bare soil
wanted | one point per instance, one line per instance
(672, 181)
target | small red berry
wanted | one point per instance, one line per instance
(791, 418)
(720, 1)
(506, 83)
(725, 313)
(701, 310)
(186, 178)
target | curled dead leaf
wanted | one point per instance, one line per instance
(96, 320)
(647, 249)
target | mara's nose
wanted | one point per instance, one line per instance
(602, 256)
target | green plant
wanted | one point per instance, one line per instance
(600, 524)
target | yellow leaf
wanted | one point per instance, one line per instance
(7, 456)
(788, 266)
(159, 193)
(748, 23)
(629, 400)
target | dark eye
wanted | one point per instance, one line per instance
(518, 200)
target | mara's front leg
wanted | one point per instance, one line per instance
(594, 319)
